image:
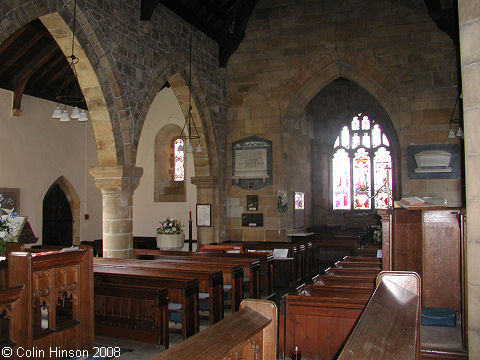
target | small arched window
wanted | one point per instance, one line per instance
(361, 167)
(178, 160)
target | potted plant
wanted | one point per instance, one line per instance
(170, 235)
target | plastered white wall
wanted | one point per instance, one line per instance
(35, 150)
(147, 213)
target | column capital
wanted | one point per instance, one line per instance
(117, 178)
(205, 182)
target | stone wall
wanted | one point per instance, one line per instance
(294, 49)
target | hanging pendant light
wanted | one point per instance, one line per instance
(451, 134)
(65, 117)
(459, 132)
(69, 92)
(83, 116)
(189, 130)
(75, 113)
(57, 113)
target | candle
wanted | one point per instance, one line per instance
(190, 215)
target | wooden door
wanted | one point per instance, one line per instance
(57, 218)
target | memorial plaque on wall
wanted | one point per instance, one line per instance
(252, 163)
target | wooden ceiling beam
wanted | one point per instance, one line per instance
(20, 52)
(39, 75)
(12, 38)
(24, 74)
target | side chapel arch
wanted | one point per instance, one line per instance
(174, 70)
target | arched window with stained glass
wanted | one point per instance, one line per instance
(362, 166)
(178, 160)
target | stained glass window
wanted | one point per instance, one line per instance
(382, 178)
(376, 136)
(361, 179)
(362, 167)
(179, 161)
(341, 180)
(345, 135)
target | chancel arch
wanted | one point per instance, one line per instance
(332, 110)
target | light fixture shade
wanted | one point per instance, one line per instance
(199, 148)
(189, 148)
(57, 113)
(75, 113)
(459, 132)
(451, 134)
(83, 116)
(65, 116)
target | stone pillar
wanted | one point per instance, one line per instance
(117, 184)
(207, 193)
(469, 18)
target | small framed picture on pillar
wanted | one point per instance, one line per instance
(204, 215)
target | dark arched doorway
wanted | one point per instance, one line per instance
(57, 218)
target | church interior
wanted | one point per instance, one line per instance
(278, 179)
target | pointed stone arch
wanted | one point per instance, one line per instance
(97, 72)
(323, 70)
(174, 70)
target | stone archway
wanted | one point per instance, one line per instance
(319, 74)
(322, 71)
(91, 88)
(116, 175)
(174, 70)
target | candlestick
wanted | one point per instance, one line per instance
(190, 215)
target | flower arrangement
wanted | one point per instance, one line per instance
(170, 226)
(7, 224)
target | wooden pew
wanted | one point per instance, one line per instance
(317, 325)
(267, 269)
(370, 259)
(364, 282)
(364, 272)
(393, 313)
(249, 334)
(296, 251)
(3, 274)
(358, 265)
(10, 315)
(322, 291)
(232, 275)
(181, 291)
(210, 282)
(251, 268)
(132, 312)
(57, 303)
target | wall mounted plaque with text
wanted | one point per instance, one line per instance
(252, 163)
